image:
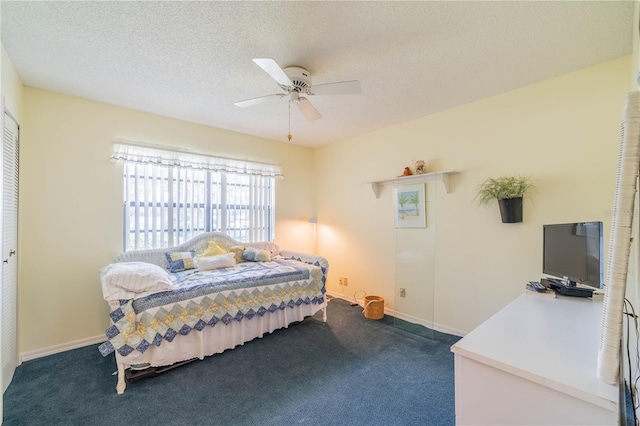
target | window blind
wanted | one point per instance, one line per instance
(170, 198)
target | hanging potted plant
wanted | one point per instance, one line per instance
(508, 191)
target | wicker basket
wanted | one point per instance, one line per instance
(374, 307)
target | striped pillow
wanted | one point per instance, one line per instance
(130, 280)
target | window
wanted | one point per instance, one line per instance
(169, 202)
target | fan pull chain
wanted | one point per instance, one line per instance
(289, 135)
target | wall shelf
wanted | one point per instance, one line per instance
(443, 176)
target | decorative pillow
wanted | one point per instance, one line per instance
(263, 256)
(256, 255)
(180, 261)
(213, 249)
(238, 250)
(130, 280)
(216, 262)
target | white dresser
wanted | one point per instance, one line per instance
(534, 363)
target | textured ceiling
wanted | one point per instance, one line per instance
(192, 60)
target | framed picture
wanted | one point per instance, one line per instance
(409, 207)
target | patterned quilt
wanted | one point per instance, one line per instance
(205, 298)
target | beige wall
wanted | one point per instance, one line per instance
(635, 42)
(563, 132)
(12, 88)
(71, 197)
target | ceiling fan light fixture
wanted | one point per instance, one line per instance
(295, 80)
(307, 109)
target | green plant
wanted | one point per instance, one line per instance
(503, 187)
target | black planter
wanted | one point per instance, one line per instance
(511, 210)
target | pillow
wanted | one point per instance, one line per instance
(216, 262)
(180, 261)
(213, 249)
(256, 255)
(238, 250)
(130, 280)
(263, 256)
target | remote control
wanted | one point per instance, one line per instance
(536, 286)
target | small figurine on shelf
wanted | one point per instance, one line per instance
(407, 172)
(421, 168)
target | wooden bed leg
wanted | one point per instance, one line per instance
(121, 382)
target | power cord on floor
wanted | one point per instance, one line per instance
(355, 298)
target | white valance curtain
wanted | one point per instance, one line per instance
(136, 152)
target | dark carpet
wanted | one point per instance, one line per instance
(348, 371)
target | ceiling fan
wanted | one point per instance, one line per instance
(296, 82)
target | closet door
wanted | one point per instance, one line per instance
(10, 149)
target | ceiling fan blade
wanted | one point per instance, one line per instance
(272, 68)
(308, 110)
(260, 100)
(339, 88)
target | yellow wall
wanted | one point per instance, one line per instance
(563, 132)
(11, 87)
(635, 42)
(71, 198)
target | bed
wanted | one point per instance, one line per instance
(182, 310)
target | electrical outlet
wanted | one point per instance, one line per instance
(402, 293)
(343, 281)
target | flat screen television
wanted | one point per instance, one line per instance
(574, 252)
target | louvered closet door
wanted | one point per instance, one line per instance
(9, 249)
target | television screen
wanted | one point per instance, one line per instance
(574, 251)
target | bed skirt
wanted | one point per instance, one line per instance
(214, 340)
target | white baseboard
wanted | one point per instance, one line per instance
(429, 324)
(342, 296)
(39, 353)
